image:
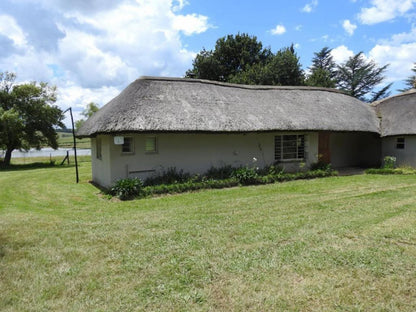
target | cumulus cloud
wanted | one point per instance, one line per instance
(99, 45)
(308, 8)
(385, 10)
(399, 52)
(278, 30)
(10, 29)
(341, 54)
(349, 27)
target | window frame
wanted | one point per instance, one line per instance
(400, 143)
(130, 140)
(284, 142)
(154, 143)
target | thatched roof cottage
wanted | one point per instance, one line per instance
(191, 124)
(398, 127)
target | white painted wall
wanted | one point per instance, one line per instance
(404, 157)
(354, 149)
(194, 153)
(101, 173)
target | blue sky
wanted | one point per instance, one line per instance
(92, 49)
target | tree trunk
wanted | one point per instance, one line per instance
(8, 157)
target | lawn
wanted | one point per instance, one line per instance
(339, 243)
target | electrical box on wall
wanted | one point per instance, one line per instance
(118, 140)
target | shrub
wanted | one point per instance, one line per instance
(245, 175)
(127, 188)
(219, 173)
(389, 162)
(170, 176)
(320, 165)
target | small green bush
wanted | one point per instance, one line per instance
(170, 176)
(389, 162)
(245, 175)
(127, 188)
(219, 173)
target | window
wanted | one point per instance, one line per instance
(127, 147)
(98, 148)
(150, 145)
(289, 147)
(400, 143)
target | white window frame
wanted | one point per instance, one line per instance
(289, 144)
(151, 148)
(128, 142)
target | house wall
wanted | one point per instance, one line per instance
(101, 172)
(404, 157)
(193, 153)
(355, 149)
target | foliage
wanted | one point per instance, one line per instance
(323, 70)
(28, 117)
(127, 188)
(389, 162)
(410, 82)
(245, 175)
(219, 173)
(321, 165)
(358, 77)
(169, 176)
(87, 113)
(232, 55)
(242, 59)
(282, 69)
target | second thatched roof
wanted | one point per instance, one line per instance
(398, 114)
(152, 104)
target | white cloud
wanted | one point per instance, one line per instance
(341, 54)
(399, 52)
(308, 8)
(349, 27)
(191, 24)
(385, 10)
(278, 30)
(9, 28)
(98, 49)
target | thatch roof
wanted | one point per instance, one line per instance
(398, 114)
(153, 104)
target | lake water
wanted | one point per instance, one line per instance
(48, 152)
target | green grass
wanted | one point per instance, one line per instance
(66, 140)
(331, 244)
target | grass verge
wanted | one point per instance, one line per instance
(338, 243)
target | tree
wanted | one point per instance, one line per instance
(323, 70)
(87, 113)
(232, 55)
(27, 115)
(358, 77)
(410, 82)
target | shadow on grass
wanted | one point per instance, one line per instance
(30, 166)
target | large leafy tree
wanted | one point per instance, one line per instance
(27, 115)
(232, 55)
(87, 113)
(358, 77)
(323, 70)
(410, 82)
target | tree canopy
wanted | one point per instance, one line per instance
(358, 77)
(87, 113)
(323, 70)
(242, 59)
(27, 115)
(410, 82)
